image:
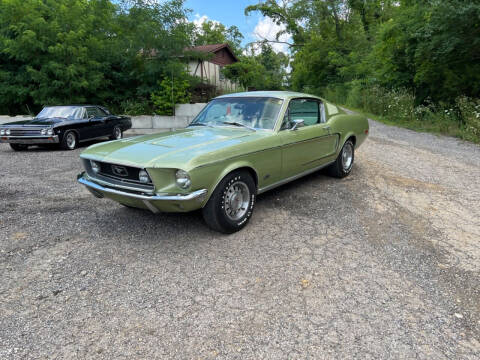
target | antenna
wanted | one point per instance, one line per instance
(173, 99)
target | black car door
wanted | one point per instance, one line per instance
(82, 125)
(109, 121)
(97, 122)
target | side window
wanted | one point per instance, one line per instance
(101, 112)
(91, 112)
(304, 109)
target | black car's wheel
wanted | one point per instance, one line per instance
(117, 133)
(344, 163)
(231, 204)
(69, 141)
(19, 147)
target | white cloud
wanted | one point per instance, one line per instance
(266, 29)
(200, 19)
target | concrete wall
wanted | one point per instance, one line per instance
(147, 124)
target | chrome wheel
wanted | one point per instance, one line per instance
(117, 133)
(347, 156)
(71, 140)
(237, 200)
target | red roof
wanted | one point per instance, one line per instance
(212, 49)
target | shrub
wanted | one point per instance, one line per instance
(469, 110)
(170, 93)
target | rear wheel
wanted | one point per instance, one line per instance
(117, 133)
(19, 147)
(69, 141)
(231, 205)
(344, 163)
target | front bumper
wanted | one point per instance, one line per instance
(153, 202)
(30, 140)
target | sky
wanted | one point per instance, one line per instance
(232, 12)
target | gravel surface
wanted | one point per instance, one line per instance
(382, 264)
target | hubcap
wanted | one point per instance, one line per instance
(117, 133)
(347, 156)
(237, 200)
(70, 141)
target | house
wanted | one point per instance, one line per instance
(209, 61)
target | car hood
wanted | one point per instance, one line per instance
(170, 149)
(37, 122)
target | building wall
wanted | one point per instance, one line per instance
(210, 73)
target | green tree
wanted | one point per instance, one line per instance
(213, 32)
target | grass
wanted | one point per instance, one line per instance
(436, 126)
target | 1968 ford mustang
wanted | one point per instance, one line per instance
(238, 146)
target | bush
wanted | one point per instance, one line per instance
(135, 107)
(470, 113)
(170, 92)
(461, 119)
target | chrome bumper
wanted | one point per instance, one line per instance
(30, 140)
(95, 189)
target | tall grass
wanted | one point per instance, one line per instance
(460, 119)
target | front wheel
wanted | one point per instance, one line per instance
(69, 141)
(231, 205)
(18, 147)
(344, 163)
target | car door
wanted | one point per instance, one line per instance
(97, 123)
(309, 146)
(109, 121)
(82, 125)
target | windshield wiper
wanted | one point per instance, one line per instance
(199, 124)
(234, 123)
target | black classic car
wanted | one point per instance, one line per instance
(66, 126)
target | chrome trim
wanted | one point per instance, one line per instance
(121, 186)
(32, 140)
(94, 138)
(292, 178)
(163, 197)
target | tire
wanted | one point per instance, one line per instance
(69, 141)
(231, 205)
(116, 134)
(344, 163)
(18, 147)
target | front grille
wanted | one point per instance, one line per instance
(25, 132)
(108, 175)
(120, 172)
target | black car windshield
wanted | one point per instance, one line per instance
(253, 112)
(67, 112)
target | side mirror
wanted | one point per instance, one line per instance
(91, 117)
(298, 123)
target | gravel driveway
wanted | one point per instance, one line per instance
(382, 264)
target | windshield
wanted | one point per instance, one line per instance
(253, 112)
(68, 112)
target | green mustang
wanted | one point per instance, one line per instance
(238, 146)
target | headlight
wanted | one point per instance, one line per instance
(143, 176)
(50, 131)
(7, 132)
(183, 179)
(43, 131)
(95, 166)
(2, 132)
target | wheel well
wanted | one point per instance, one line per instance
(251, 171)
(353, 138)
(72, 130)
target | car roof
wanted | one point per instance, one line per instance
(74, 105)
(284, 95)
